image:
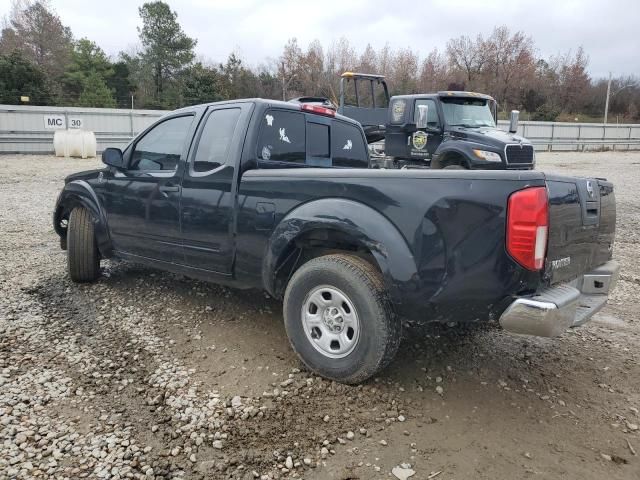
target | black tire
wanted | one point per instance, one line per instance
(454, 167)
(83, 258)
(379, 330)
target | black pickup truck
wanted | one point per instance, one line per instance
(263, 194)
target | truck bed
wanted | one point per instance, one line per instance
(450, 223)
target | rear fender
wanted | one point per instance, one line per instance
(79, 193)
(367, 227)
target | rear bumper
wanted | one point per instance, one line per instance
(552, 310)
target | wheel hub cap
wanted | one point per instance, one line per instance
(330, 321)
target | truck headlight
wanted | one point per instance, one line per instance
(488, 156)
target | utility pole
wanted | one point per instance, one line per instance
(132, 102)
(606, 104)
(609, 94)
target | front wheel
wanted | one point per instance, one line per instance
(83, 258)
(339, 319)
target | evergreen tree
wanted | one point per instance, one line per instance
(19, 77)
(167, 49)
(95, 93)
(87, 59)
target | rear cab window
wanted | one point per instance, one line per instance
(300, 139)
(347, 146)
(283, 137)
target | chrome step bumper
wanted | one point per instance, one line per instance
(552, 310)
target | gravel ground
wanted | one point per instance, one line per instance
(151, 375)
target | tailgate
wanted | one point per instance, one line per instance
(582, 222)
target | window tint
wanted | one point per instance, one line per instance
(282, 137)
(161, 147)
(215, 140)
(432, 113)
(347, 146)
(318, 136)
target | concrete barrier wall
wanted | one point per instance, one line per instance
(26, 129)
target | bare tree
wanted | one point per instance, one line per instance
(290, 68)
(385, 60)
(405, 72)
(434, 73)
(37, 33)
(368, 62)
(573, 79)
(312, 70)
(468, 56)
(510, 65)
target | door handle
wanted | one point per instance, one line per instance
(166, 189)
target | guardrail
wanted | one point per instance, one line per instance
(582, 145)
(25, 129)
(566, 136)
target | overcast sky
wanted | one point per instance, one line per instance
(609, 30)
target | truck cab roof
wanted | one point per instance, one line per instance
(269, 103)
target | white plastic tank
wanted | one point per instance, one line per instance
(74, 143)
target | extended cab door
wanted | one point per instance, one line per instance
(209, 188)
(142, 201)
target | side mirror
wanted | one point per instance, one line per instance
(421, 122)
(113, 157)
(513, 121)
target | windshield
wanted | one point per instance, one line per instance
(468, 112)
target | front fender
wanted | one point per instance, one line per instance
(78, 193)
(447, 148)
(366, 226)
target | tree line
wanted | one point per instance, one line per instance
(41, 59)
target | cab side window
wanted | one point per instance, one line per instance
(215, 140)
(347, 146)
(162, 146)
(282, 137)
(432, 114)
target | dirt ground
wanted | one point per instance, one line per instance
(151, 375)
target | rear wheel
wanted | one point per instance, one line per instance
(339, 319)
(83, 258)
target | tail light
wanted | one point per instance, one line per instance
(309, 107)
(528, 227)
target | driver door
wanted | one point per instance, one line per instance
(434, 127)
(142, 201)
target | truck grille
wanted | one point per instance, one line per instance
(519, 154)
